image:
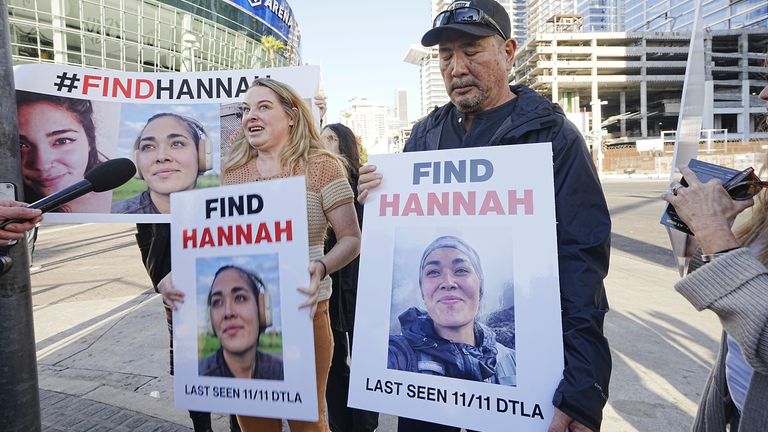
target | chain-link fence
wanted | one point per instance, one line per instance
(230, 126)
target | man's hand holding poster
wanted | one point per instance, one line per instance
(241, 343)
(458, 299)
(176, 128)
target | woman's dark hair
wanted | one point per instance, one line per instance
(196, 130)
(82, 109)
(347, 146)
(257, 285)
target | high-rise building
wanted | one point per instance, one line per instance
(380, 131)
(369, 121)
(541, 14)
(677, 15)
(631, 83)
(401, 105)
(574, 16)
(433, 92)
(601, 15)
(518, 16)
(153, 35)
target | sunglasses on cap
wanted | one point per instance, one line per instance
(467, 15)
(744, 185)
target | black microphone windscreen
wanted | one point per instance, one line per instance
(111, 174)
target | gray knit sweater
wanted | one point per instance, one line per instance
(735, 287)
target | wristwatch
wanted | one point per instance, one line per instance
(711, 257)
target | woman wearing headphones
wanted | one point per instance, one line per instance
(170, 153)
(239, 314)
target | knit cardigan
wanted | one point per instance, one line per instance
(735, 288)
(327, 189)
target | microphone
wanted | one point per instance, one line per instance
(105, 176)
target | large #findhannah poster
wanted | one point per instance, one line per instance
(241, 343)
(176, 128)
(459, 299)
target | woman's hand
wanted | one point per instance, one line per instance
(171, 296)
(17, 210)
(316, 274)
(369, 179)
(708, 211)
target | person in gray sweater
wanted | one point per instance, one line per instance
(732, 283)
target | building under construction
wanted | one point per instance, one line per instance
(633, 82)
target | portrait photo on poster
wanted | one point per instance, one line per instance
(175, 148)
(453, 304)
(61, 139)
(239, 330)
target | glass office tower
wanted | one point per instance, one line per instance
(153, 35)
(677, 15)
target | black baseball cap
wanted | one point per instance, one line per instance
(491, 10)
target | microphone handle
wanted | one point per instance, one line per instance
(54, 201)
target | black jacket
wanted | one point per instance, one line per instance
(137, 204)
(154, 242)
(583, 243)
(268, 367)
(420, 349)
(341, 307)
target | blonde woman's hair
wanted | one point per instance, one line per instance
(755, 229)
(303, 141)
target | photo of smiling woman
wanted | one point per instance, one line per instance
(57, 139)
(446, 338)
(239, 313)
(169, 154)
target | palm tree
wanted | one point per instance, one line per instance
(271, 46)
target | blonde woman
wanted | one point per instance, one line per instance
(732, 283)
(278, 139)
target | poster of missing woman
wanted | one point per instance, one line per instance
(177, 128)
(459, 296)
(241, 343)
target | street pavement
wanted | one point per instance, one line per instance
(102, 342)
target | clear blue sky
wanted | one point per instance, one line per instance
(360, 46)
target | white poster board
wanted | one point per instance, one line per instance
(71, 119)
(498, 201)
(226, 242)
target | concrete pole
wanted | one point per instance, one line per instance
(644, 91)
(19, 395)
(623, 110)
(744, 117)
(59, 25)
(597, 116)
(555, 72)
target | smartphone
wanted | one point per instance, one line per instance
(7, 191)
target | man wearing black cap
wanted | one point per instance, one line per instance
(476, 57)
